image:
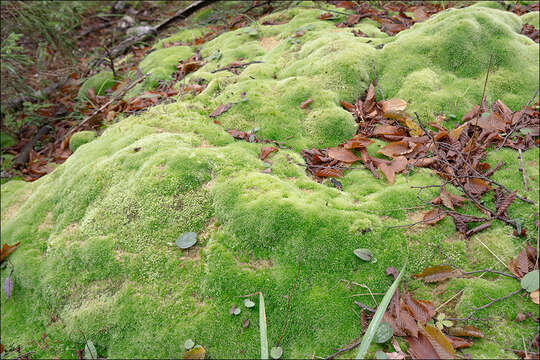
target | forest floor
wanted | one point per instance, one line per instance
(313, 148)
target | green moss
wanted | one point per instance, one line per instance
(531, 18)
(442, 73)
(81, 138)
(6, 140)
(97, 234)
(99, 83)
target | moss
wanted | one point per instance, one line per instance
(81, 138)
(97, 234)
(446, 72)
(99, 83)
(531, 18)
(6, 140)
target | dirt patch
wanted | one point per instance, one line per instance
(269, 43)
(47, 222)
(415, 217)
(254, 265)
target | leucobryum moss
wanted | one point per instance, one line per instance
(97, 235)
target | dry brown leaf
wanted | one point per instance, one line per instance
(395, 149)
(387, 171)
(438, 340)
(220, 109)
(305, 104)
(454, 134)
(446, 199)
(329, 172)
(474, 112)
(399, 164)
(421, 348)
(6, 250)
(434, 216)
(388, 130)
(267, 150)
(421, 310)
(348, 106)
(436, 273)
(458, 343)
(469, 331)
(358, 142)
(501, 208)
(477, 186)
(342, 154)
(392, 108)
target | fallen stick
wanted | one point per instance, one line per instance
(522, 169)
(120, 95)
(23, 156)
(236, 66)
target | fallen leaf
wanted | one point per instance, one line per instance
(220, 109)
(388, 130)
(469, 331)
(393, 108)
(188, 344)
(438, 340)
(186, 240)
(399, 164)
(342, 154)
(387, 171)
(329, 172)
(434, 216)
(364, 254)
(358, 142)
(326, 16)
(458, 343)
(421, 310)
(421, 348)
(245, 324)
(305, 104)
(6, 250)
(531, 281)
(197, 353)
(276, 352)
(437, 273)
(395, 149)
(267, 150)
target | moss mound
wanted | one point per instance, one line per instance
(97, 252)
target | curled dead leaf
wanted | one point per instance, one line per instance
(434, 216)
(342, 154)
(7, 249)
(267, 150)
(395, 149)
(329, 172)
(437, 273)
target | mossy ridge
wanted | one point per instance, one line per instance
(104, 266)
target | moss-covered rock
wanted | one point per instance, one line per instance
(99, 83)
(531, 18)
(97, 235)
(81, 138)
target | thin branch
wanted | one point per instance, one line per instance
(347, 348)
(229, 67)
(522, 169)
(475, 309)
(485, 81)
(518, 121)
(120, 95)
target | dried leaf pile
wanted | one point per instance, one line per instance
(456, 155)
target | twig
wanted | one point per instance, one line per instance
(492, 253)
(489, 271)
(229, 67)
(24, 155)
(376, 78)
(522, 169)
(447, 301)
(518, 121)
(289, 299)
(120, 95)
(493, 301)
(371, 294)
(485, 81)
(347, 348)
(111, 61)
(365, 307)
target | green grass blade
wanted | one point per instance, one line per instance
(370, 332)
(262, 325)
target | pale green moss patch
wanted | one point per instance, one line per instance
(99, 83)
(97, 234)
(81, 138)
(531, 18)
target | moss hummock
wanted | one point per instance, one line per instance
(97, 251)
